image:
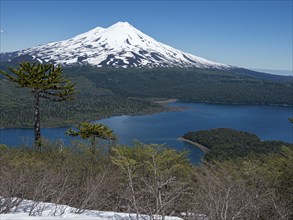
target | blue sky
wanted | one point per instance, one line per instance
(250, 34)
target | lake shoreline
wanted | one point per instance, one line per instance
(235, 103)
(162, 102)
(164, 107)
(165, 127)
(200, 146)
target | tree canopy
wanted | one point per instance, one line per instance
(89, 130)
(44, 79)
(93, 132)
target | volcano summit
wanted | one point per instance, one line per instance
(120, 45)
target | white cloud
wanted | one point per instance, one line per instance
(1, 30)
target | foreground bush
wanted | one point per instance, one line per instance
(147, 179)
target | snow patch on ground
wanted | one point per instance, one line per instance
(31, 210)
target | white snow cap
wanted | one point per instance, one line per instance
(120, 45)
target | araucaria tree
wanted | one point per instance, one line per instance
(44, 81)
(93, 132)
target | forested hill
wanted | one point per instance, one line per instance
(225, 143)
(105, 92)
(91, 103)
(196, 85)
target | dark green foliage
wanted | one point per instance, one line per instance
(91, 103)
(227, 143)
(197, 85)
(104, 92)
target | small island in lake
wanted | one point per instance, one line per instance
(226, 143)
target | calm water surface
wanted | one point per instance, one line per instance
(268, 122)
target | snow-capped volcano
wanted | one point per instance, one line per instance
(120, 45)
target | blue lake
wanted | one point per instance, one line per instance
(268, 122)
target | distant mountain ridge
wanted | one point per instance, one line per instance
(120, 45)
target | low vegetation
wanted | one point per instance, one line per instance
(147, 179)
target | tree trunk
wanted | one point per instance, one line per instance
(129, 174)
(37, 120)
(93, 146)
